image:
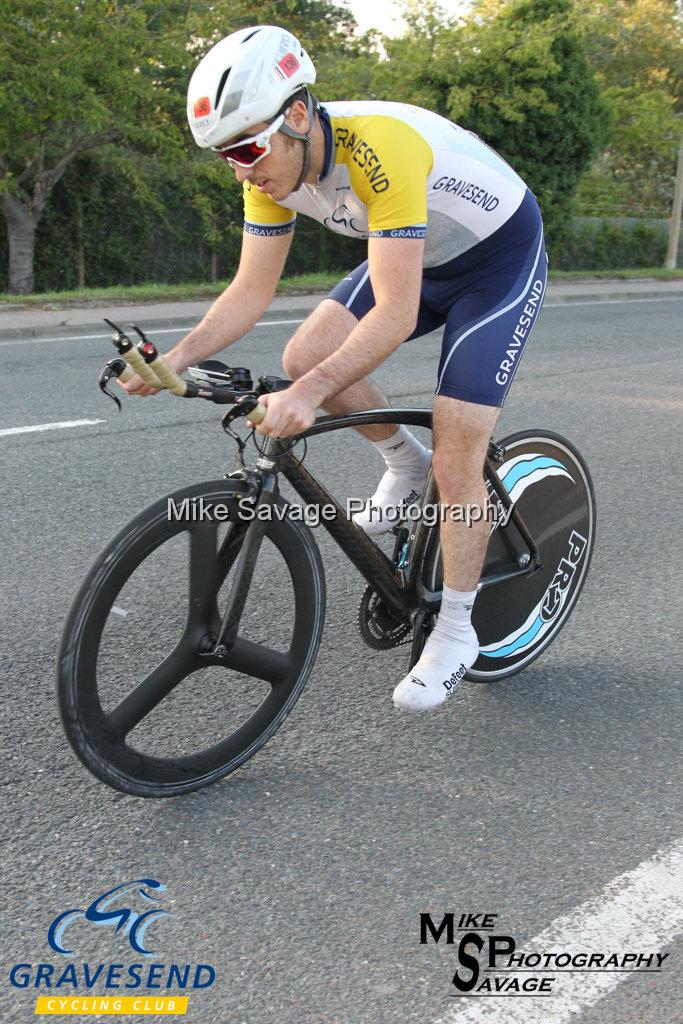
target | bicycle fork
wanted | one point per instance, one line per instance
(246, 560)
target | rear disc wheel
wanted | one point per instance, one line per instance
(517, 620)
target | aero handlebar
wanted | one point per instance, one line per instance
(233, 386)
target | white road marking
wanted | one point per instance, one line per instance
(568, 303)
(640, 911)
(161, 330)
(278, 323)
(119, 611)
(49, 426)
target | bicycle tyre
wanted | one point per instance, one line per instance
(95, 736)
(517, 620)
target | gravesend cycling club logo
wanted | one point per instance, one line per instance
(131, 913)
(488, 963)
(103, 911)
(341, 217)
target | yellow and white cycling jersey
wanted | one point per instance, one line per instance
(395, 170)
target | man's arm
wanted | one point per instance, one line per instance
(396, 276)
(235, 311)
(242, 303)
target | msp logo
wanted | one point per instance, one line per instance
(490, 966)
(125, 919)
(129, 910)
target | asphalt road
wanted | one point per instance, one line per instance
(301, 878)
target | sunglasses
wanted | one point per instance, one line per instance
(247, 152)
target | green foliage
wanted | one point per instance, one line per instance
(610, 245)
(79, 76)
(95, 221)
(95, 148)
(420, 65)
(634, 43)
(634, 173)
(534, 98)
(516, 74)
(636, 48)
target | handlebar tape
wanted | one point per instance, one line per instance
(168, 377)
(134, 359)
(257, 414)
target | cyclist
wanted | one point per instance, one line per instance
(455, 239)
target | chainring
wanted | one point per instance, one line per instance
(377, 626)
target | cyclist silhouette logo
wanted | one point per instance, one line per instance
(107, 909)
(342, 221)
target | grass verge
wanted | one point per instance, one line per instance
(642, 273)
(303, 284)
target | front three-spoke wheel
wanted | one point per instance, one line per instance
(145, 705)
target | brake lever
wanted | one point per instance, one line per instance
(141, 334)
(121, 340)
(130, 353)
(119, 369)
(244, 406)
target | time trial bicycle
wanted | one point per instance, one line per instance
(238, 581)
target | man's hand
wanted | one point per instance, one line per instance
(137, 386)
(289, 412)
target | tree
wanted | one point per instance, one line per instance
(420, 64)
(516, 74)
(633, 175)
(78, 76)
(636, 49)
(634, 42)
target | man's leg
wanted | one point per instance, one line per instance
(407, 461)
(487, 327)
(462, 431)
(321, 334)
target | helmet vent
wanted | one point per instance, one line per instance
(251, 35)
(221, 85)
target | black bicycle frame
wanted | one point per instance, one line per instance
(394, 587)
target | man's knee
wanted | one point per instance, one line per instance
(460, 475)
(321, 334)
(296, 359)
(462, 433)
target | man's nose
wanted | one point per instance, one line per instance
(242, 173)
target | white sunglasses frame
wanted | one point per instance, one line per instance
(262, 139)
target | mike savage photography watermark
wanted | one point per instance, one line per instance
(244, 508)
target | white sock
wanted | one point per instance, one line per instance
(407, 463)
(403, 453)
(451, 649)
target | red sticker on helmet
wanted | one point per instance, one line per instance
(289, 64)
(202, 107)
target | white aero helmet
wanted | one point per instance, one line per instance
(243, 80)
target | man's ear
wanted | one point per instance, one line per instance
(298, 117)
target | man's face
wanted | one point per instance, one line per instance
(277, 173)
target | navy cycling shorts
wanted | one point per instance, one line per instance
(488, 299)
